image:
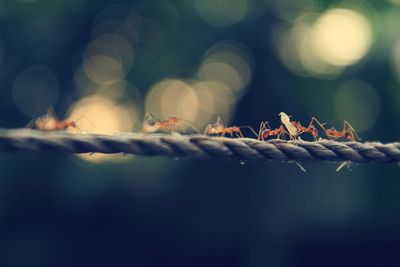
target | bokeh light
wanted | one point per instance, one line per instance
(322, 45)
(395, 60)
(114, 46)
(102, 115)
(221, 13)
(221, 72)
(109, 56)
(35, 89)
(228, 63)
(220, 80)
(395, 2)
(172, 98)
(97, 114)
(100, 69)
(341, 36)
(358, 103)
(295, 50)
(215, 99)
(116, 89)
(288, 10)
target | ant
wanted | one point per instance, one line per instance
(50, 122)
(348, 132)
(153, 124)
(266, 131)
(295, 128)
(286, 127)
(218, 128)
(309, 129)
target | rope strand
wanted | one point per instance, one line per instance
(27, 140)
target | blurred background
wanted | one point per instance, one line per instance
(243, 60)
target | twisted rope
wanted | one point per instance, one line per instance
(26, 140)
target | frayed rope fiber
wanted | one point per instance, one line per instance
(176, 145)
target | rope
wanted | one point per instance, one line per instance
(175, 145)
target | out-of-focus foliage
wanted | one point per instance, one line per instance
(106, 63)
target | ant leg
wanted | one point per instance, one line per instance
(31, 123)
(190, 124)
(51, 113)
(149, 115)
(284, 132)
(207, 128)
(344, 163)
(260, 130)
(313, 119)
(250, 128)
(266, 126)
(84, 117)
(219, 121)
(77, 129)
(347, 126)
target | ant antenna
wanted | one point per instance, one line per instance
(84, 117)
(313, 119)
(31, 123)
(209, 126)
(149, 114)
(51, 112)
(190, 124)
(219, 121)
(353, 132)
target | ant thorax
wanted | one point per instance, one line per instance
(216, 128)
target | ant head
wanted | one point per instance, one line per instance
(265, 133)
(151, 125)
(72, 124)
(149, 114)
(174, 119)
(348, 134)
(150, 119)
(151, 122)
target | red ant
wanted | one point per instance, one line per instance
(348, 132)
(266, 131)
(50, 122)
(218, 128)
(153, 124)
(295, 127)
(309, 129)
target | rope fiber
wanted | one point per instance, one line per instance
(176, 145)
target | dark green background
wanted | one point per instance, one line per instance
(58, 210)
